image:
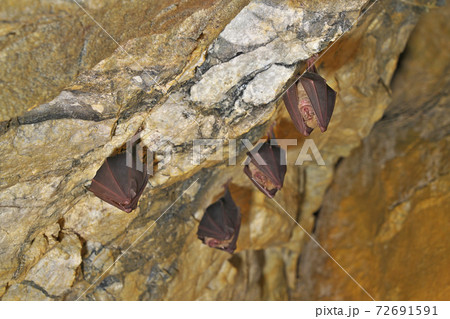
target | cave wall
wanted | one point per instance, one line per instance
(385, 216)
(47, 44)
(218, 72)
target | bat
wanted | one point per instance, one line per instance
(118, 184)
(310, 101)
(265, 169)
(219, 227)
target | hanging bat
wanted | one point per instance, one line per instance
(219, 227)
(118, 184)
(265, 169)
(310, 101)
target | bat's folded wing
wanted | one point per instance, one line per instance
(118, 184)
(222, 222)
(290, 99)
(268, 161)
(215, 223)
(322, 97)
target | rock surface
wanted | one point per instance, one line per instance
(385, 218)
(197, 70)
(45, 45)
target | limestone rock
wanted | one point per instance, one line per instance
(45, 45)
(53, 275)
(191, 70)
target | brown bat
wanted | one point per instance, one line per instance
(310, 101)
(118, 184)
(219, 227)
(265, 169)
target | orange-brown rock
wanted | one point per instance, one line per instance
(385, 217)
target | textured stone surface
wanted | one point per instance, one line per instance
(45, 45)
(49, 154)
(211, 84)
(385, 217)
(53, 275)
(269, 37)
